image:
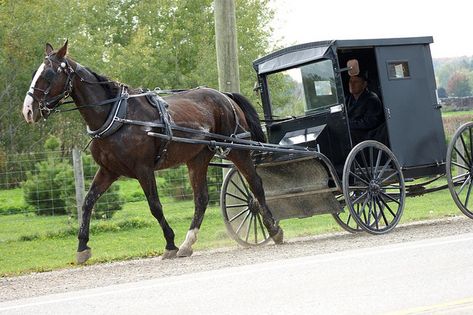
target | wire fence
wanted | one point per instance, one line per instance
(53, 183)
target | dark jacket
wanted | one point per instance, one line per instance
(366, 113)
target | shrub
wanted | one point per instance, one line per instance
(50, 187)
(110, 202)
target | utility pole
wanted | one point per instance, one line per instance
(227, 46)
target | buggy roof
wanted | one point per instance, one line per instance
(303, 53)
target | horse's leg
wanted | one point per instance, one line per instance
(102, 181)
(245, 165)
(148, 184)
(198, 177)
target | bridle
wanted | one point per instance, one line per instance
(48, 105)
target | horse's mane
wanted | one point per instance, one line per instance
(112, 88)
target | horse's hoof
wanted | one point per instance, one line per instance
(169, 254)
(83, 256)
(278, 238)
(185, 252)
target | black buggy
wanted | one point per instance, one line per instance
(303, 91)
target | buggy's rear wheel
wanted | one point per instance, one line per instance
(345, 219)
(460, 168)
(241, 211)
(373, 187)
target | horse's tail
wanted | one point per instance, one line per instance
(251, 116)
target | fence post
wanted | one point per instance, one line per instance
(79, 181)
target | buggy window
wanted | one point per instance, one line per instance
(297, 91)
(398, 70)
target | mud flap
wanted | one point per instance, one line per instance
(297, 188)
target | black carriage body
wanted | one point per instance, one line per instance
(308, 84)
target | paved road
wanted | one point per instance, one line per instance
(432, 276)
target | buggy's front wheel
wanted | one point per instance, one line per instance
(460, 168)
(241, 211)
(373, 187)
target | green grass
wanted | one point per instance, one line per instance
(11, 201)
(457, 113)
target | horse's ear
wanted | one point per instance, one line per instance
(49, 49)
(61, 53)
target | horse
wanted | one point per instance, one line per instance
(125, 149)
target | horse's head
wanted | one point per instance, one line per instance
(51, 84)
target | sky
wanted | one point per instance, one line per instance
(449, 22)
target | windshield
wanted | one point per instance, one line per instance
(296, 91)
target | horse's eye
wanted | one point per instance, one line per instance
(49, 75)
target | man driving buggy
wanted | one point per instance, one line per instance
(365, 111)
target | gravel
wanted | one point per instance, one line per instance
(101, 275)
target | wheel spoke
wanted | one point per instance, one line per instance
(463, 185)
(357, 165)
(236, 197)
(378, 161)
(359, 178)
(239, 214)
(262, 227)
(460, 165)
(465, 147)
(381, 210)
(239, 189)
(363, 157)
(242, 222)
(256, 229)
(468, 195)
(375, 214)
(361, 196)
(388, 207)
(370, 211)
(471, 145)
(462, 157)
(237, 206)
(390, 198)
(244, 185)
(389, 177)
(371, 155)
(248, 229)
(384, 169)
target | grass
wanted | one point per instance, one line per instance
(466, 113)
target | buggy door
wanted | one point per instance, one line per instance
(409, 94)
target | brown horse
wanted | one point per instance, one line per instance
(122, 148)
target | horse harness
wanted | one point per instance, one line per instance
(117, 115)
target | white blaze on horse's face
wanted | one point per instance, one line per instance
(28, 112)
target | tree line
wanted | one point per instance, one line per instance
(168, 44)
(454, 76)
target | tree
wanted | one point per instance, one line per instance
(459, 85)
(163, 43)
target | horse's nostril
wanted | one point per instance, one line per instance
(29, 116)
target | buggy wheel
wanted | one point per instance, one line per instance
(345, 219)
(241, 211)
(460, 168)
(373, 187)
